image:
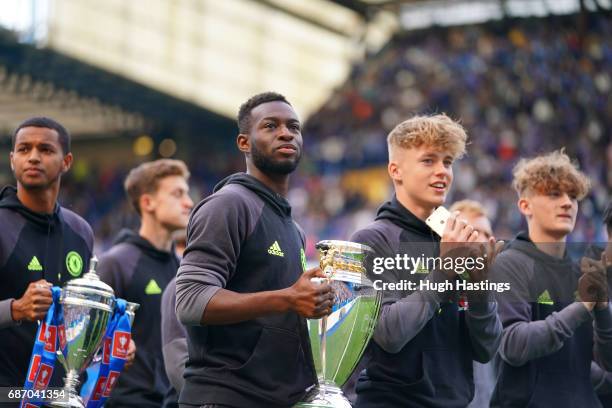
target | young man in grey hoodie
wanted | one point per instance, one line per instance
(242, 289)
(556, 317)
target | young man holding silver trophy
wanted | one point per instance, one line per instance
(41, 245)
(425, 340)
(242, 288)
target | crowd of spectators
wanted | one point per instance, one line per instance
(520, 87)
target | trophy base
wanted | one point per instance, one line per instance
(324, 395)
(74, 401)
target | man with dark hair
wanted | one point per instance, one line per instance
(63, 136)
(244, 113)
(241, 289)
(139, 266)
(41, 243)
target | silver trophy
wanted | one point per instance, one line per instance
(339, 340)
(88, 304)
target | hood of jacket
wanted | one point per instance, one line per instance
(8, 199)
(131, 237)
(395, 212)
(278, 203)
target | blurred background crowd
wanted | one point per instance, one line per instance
(520, 86)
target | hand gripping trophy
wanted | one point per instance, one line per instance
(339, 340)
(84, 312)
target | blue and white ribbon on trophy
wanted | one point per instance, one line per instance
(42, 363)
(102, 376)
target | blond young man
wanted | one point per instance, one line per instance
(139, 267)
(549, 337)
(484, 374)
(423, 346)
(475, 214)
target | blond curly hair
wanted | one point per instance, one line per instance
(469, 207)
(438, 131)
(550, 172)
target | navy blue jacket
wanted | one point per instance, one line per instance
(548, 340)
(424, 344)
(56, 247)
(138, 272)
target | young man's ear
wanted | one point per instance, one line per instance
(67, 163)
(524, 206)
(243, 142)
(394, 171)
(11, 160)
(146, 203)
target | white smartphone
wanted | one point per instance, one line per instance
(437, 220)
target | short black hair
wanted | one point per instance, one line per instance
(244, 113)
(44, 122)
(607, 217)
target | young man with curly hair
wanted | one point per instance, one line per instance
(549, 337)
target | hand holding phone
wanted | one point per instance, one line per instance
(437, 220)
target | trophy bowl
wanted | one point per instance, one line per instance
(339, 340)
(87, 305)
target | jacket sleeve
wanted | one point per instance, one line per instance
(485, 329)
(522, 339)
(601, 379)
(215, 234)
(6, 318)
(174, 338)
(8, 240)
(603, 337)
(401, 318)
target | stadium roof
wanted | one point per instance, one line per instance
(207, 56)
(418, 14)
(90, 101)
